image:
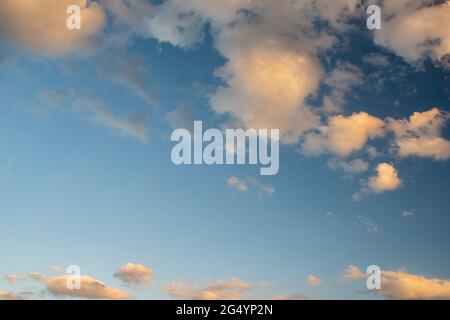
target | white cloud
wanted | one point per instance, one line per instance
(407, 214)
(368, 224)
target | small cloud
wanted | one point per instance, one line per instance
(372, 152)
(386, 179)
(332, 216)
(408, 214)
(264, 188)
(242, 185)
(377, 60)
(12, 278)
(237, 184)
(354, 167)
(232, 289)
(36, 276)
(10, 296)
(135, 275)
(353, 273)
(55, 269)
(344, 135)
(313, 281)
(368, 224)
(289, 297)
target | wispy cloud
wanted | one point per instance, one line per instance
(243, 185)
(232, 289)
(95, 110)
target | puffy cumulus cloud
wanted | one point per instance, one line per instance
(420, 135)
(402, 285)
(270, 49)
(386, 179)
(181, 22)
(232, 289)
(9, 296)
(135, 275)
(344, 135)
(426, 24)
(41, 26)
(90, 288)
(271, 68)
(399, 284)
(313, 281)
(266, 87)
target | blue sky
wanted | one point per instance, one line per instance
(86, 176)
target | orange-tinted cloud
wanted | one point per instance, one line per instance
(232, 289)
(420, 135)
(10, 296)
(344, 135)
(135, 275)
(40, 26)
(400, 284)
